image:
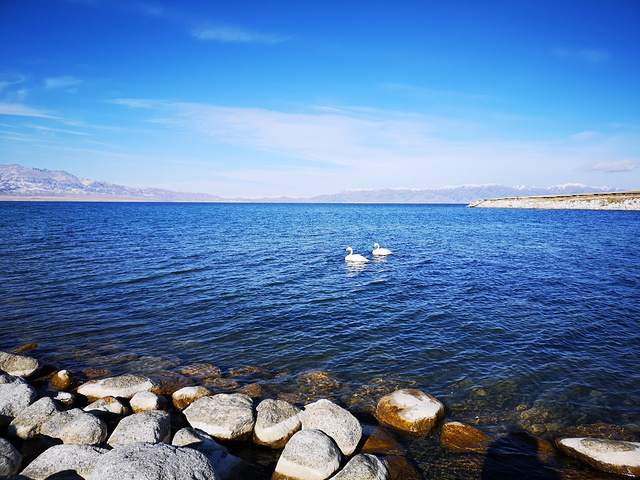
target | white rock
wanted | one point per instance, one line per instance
(149, 427)
(410, 410)
(224, 416)
(149, 461)
(10, 458)
(309, 455)
(18, 365)
(225, 464)
(276, 422)
(107, 405)
(65, 398)
(15, 395)
(335, 421)
(363, 467)
(147, 401)
(80, 459)
(187, 395)
(124, 386)
(612, 456)
(75, 426)
(27, 425)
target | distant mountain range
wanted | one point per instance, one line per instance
(17, 182)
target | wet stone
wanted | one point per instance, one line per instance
(409, 410)
(613, 456)
(459, 436)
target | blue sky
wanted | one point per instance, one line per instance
(255, 98)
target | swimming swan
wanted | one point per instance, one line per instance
(380, 251)
(354, 257)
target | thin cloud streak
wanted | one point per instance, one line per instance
(616, 167)
(231, 34)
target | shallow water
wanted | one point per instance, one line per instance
(512, 318)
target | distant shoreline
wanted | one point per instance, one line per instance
(588, 201)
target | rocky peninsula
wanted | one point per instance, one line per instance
(588, 201)
(54, 424)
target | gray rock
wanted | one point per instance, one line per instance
(148, 461)
(75, 426)
(149, 427)
(147, 401)
(107, 405)
(27, 424)
(614, 456)
(225, 464)
(308, 455)
(10, 458)
(15, 395)
(65, 398)
(80, 459)
(224, 416)
(276, 422)
(335, 421)
(124, 386)
(363, 467)
(18, 365)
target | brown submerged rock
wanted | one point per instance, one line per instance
(409, 410)
(62, 380)
(459, 436)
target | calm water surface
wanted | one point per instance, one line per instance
(512, 318)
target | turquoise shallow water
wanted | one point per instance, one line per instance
(512, 318)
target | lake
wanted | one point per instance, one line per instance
(514, 319)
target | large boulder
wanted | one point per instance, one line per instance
(335, 421)
(223, 416)
(614, 456)
(461, 437)
(147, 401)
(10, 458)
(153, 461)
(308, 455)
(187, 395)
(225, 464)
(124, 386)
(15, 395)
(75, 426)
(363, 467)
(149, 427)
(80, 459)
(27, 424)
(276, 422)
(409, 410)
(18, 365)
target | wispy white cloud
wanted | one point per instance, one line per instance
(66, 82)
(20, 110)
(54, 130)
(584, 136)
(233, 34)
(616, 167)
(587, 55)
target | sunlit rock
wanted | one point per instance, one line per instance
(153, 461)
(150, 427)
(409, 410)
(335, 421)
(276, 422)
(147, 401)
(309, 455)
(223, 416)
(187, 395)
(62, 380)
(225, 464)
(614, 456)
(15, 395)
(363, 467)
(18, 365)
(378, 440)
(75, 426)
(65, 398)
(28, 423)
(459, 436)
(107, 405)
(125, 386)
(10, 458)
(79, 459)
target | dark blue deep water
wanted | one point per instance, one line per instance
(523, 319)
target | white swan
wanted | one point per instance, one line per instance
(354, 257)
(380, 251)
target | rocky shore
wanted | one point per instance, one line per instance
(52, 425)
(590, 201)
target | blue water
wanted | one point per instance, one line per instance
(510, 317)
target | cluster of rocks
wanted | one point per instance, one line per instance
(125, 431)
